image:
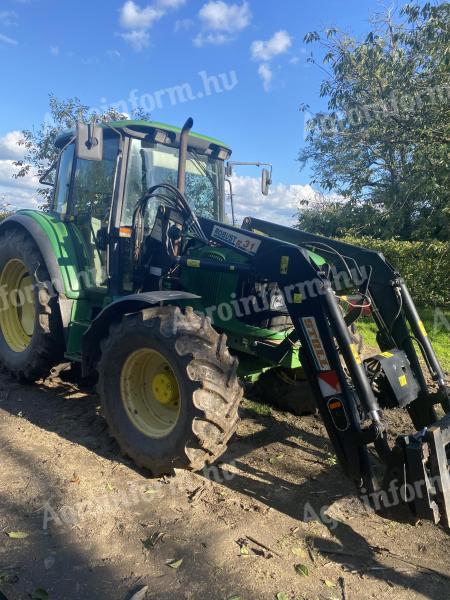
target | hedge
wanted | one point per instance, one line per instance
(425, 266)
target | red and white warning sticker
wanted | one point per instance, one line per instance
(329, 383)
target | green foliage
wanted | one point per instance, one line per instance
(425, 266)
(384, 139)
(39, 143)
(337, 218)
(5, 209)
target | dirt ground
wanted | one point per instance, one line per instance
(96, 528)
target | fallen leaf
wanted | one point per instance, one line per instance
(298, 552)
(329, 583)
(151, 541)
(301, 570)
(39, 594)
(17, 535)
(8, 577)
(282, 596)
(275, 458)
(140, 595)
(244, 550)
(75, 478)
(174, 564)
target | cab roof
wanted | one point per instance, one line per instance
(147, 127)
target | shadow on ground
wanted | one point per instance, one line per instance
(275, 466)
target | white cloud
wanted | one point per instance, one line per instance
(278, 44)
(7, 40)
(265, 72)
(18, 193)
(221, 21)
(280, 206)
(8, 18)
(133, 17)
(170, 3)
(54, 50)
(219, 16)
(183, 25)
(266, 51)
(138, 39)
(113, 54)
(216, 39)
(138, 21)
(9, 148)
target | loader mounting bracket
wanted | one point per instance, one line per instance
(418, 476)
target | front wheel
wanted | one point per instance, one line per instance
(286, 389)
(169, 389)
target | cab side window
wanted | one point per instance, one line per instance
(90, 207)
(93, 184)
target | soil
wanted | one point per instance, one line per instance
(97, 528)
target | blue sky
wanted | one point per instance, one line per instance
(125, 53)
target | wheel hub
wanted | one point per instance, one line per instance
(18, 314)
(165, 389)
(150, 393)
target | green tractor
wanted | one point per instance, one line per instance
(137, 274)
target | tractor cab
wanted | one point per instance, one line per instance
(97, 192)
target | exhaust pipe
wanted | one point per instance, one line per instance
(181, 184)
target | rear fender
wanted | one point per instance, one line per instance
(53, 240)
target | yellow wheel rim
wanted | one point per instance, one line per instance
(150, 393)
(18, 313)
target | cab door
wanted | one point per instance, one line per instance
(89, 210)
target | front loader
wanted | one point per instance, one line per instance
(136, 273)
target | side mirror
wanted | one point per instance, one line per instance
(266, 182)
(229, 170)
(89, 144)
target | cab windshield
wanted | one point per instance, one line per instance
(152, 164)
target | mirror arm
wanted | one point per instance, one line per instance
(231, 201)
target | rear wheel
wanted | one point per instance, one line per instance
(31, 339)
(286, 389)
(169, 389)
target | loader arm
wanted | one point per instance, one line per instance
(340, 378)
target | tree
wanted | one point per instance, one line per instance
(334, 218)
(383, 141)
(39, 144)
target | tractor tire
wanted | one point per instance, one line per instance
(169, 389)
(286, 389)
(31, 332)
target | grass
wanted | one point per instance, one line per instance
(437, 324)
(257, 408)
